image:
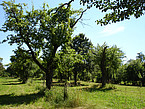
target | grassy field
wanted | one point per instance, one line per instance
(14, 95)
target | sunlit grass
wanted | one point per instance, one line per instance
(88, 95)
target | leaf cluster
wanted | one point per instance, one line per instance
(119, 10)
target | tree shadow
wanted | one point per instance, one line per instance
(95, 88)
(11, 99)
(13, 83)
(71, 84)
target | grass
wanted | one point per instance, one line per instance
(14, 95)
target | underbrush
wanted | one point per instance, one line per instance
(55, 97)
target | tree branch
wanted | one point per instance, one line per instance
(64, 5)
(79, 18)
(27, 43)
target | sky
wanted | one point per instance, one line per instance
(128, 35)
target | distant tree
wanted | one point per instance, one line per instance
(134, 71)
(21, 64)
(69, 63)
(2, 69)
(121, 74)
(91, 66)
(108, 59)
(66, 58)
(140, 56)
(42, 31)
(10, 71)
(81, 44)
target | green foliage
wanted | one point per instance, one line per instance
(42, 31)
(67, 60)
(119, 10)
(108, 60)
(22, 65)
(134, 72)
(81, 44)
(2, 69)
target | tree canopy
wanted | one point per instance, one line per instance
(41, 30)
(117, 10)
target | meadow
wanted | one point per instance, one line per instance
(88, 95)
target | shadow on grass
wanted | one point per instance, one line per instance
(11, 99)
(12, 83)
(97, 88)
(72, 84)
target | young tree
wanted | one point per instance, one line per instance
(42, 31)
(66, 57)
(69, 61)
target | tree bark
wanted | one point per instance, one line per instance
(75, 78)
(103, 68)
(49, 76)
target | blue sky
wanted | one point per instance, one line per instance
(128, 35)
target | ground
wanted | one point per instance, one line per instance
(88, 95)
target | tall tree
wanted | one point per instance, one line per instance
(108, 59)
(81, 44)
(42, 31)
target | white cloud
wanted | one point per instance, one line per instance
(112, 29)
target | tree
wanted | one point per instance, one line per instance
(119, 10)
(91, 66)
(81, 45)
(134, 71)
(69, 61)
(140, 56)
(21, 64)
(2, 69)
(108, 59)
(42, 31)
(66, 58)
(10, 71)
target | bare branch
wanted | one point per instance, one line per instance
(79, 18)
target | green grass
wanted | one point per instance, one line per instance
(88, 95)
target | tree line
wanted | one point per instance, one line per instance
(79, 59)
(38, 33)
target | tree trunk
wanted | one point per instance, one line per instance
(49, 76)
(104, 79)
(103, 68)
(68, 76)
(75, 78)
